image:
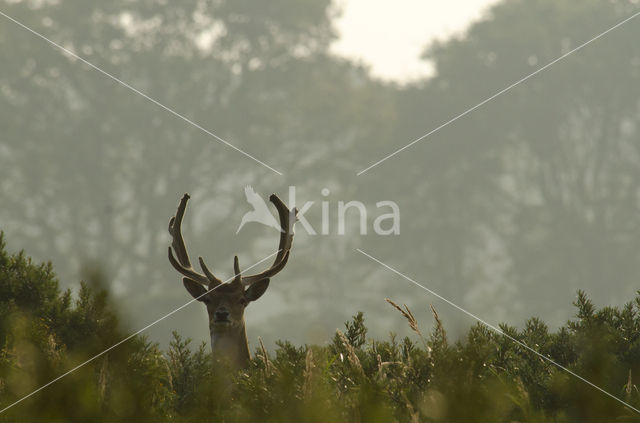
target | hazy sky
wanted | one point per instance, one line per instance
(390, 35)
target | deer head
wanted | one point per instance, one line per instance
(226, 302)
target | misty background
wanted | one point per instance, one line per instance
(507, 212)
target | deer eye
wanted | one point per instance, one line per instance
(243, 301)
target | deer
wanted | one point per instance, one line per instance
(226, 301)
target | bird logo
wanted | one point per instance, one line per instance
(260, 212)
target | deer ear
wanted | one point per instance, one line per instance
(256, 289)
(195, 288)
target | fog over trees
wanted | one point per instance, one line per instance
(507, 211)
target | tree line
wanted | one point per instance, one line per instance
(535, 190)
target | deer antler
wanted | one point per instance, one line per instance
(182, 264)
(286, 239)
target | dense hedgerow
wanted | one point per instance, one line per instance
(484, 377)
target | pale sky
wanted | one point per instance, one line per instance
(390, 35)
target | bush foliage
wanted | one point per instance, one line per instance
(483, 377)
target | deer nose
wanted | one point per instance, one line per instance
(221, 315)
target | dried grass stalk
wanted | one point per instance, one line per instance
(264, 356)
(413, 323)
(439, 326)
(351, 352)
(309, 366)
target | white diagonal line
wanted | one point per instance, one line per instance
(496, 329)
(447, 123)
(135, 90)
(132, 335)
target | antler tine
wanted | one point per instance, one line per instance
(236, 271)
(286, 225)
(286, 240)
(207, 273)
(186, 271)
(175, 230)
(182, 264)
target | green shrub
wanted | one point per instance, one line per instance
(483, 377)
